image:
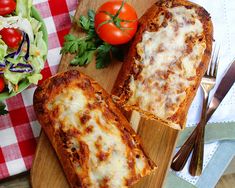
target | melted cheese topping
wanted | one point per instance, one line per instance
(169, 58)
(109, 154)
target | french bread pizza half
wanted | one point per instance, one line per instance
(94, 142)
(166, 61)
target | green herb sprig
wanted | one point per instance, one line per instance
(3, 110)
(89, 46)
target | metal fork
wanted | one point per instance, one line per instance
(196, 139)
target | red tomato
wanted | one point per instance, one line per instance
(7, 7)
(2, 84)
(113, 27)
(11, 36)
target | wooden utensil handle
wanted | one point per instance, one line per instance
(181, 157)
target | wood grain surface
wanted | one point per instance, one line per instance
(158, 140)
(22, 181)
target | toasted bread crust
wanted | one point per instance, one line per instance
(146, 23)
(49, 89)
(42, 95)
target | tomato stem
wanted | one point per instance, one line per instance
(109, 14)
(114, 18)
(103, 23)
(119, 10)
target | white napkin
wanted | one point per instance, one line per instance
(223, 17)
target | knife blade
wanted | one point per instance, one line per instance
(223, 88)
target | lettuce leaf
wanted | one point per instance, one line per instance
(37, 63)
(14, 77)
(23, 8)
(40, 43)
(34, 78)
(13, 61)
(3, 50)
(36, 25)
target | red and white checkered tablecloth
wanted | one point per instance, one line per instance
(19, 129)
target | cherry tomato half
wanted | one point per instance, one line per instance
(116, 22)
(7, 7)
(11, 36)
(2, 84)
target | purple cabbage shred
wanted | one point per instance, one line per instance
(20, 67)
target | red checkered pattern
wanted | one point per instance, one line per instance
(19, 129)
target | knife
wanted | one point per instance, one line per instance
(223, 88)
(180, 158)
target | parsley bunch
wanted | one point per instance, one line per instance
(2, 109)
(86, 47)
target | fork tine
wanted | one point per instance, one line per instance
(211, 61)
(215, 63)
(216, 67)
(208, 69)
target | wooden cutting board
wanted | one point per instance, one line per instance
(158, 140)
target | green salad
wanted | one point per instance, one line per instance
(23, 47)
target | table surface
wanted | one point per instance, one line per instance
(22, 180)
